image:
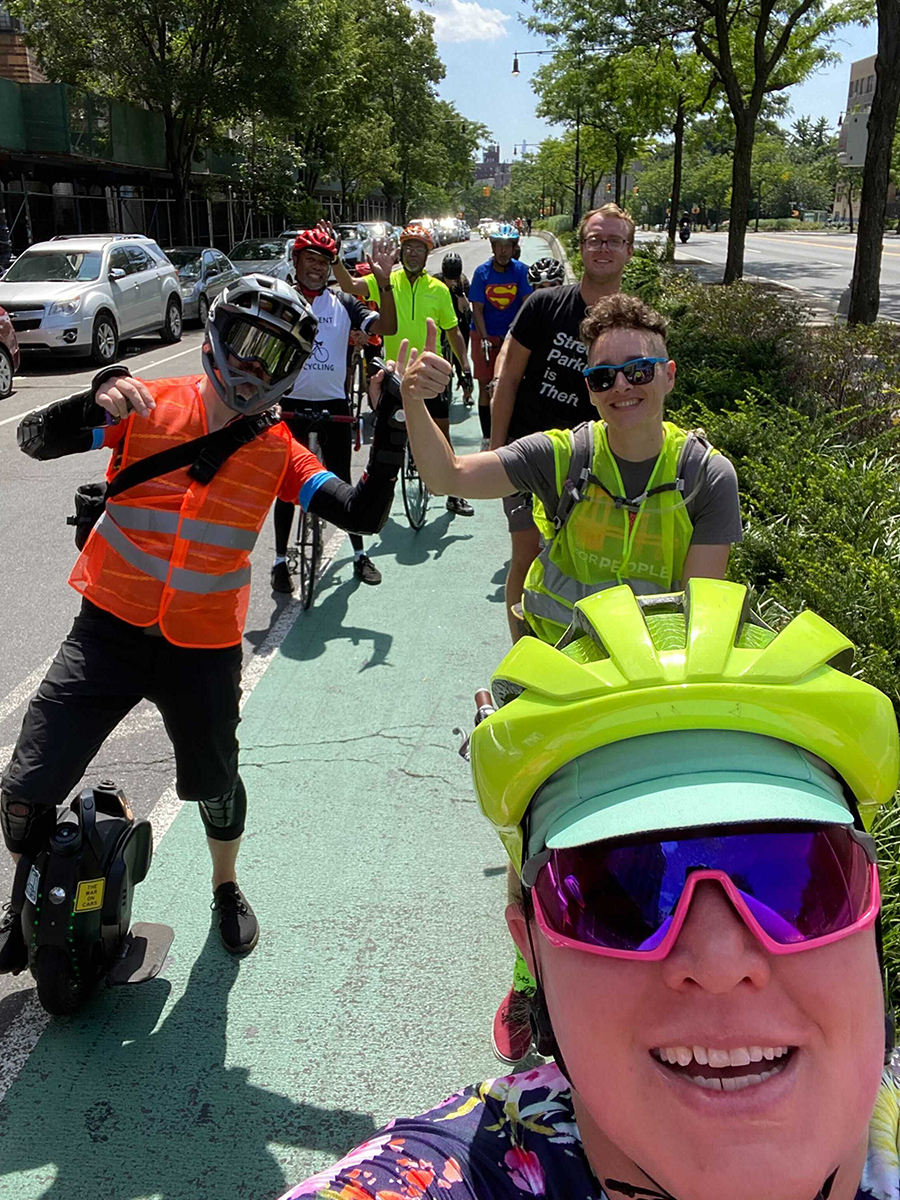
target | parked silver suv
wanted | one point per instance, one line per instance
(81, 294)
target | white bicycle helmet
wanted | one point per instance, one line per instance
(260, 332)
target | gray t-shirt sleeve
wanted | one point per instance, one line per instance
(531, 466)
(715, 511)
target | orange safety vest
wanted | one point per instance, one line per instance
(174, 552)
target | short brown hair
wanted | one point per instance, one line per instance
(607, 210)
(621, 312)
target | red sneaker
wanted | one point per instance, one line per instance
(511, 1033)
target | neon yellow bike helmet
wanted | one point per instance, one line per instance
(698, 660)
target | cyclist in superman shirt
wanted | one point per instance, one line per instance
(323, 380)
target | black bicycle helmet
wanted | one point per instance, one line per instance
(451, 267)
(546, 270)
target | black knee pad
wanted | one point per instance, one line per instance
(26, 826)
(223, 817)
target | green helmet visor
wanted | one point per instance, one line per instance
(682, 779)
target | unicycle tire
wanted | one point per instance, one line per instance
(58, 990)
(309, 554)
(415, 493)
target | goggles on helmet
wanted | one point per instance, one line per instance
(795, 888)
(255, 346)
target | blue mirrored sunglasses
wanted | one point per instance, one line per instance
(636, 370)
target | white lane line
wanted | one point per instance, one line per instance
(23, 1033)
(144, 367)
(25, 689)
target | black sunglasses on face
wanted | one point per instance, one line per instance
(637, 370)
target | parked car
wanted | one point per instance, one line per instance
(80, 294)
(432, 226)
(266, 257)
(9, 354)
(202, 274)
(381, 231)
(356, 245)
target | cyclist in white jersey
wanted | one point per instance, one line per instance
(323, 380)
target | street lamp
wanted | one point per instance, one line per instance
(576, 208)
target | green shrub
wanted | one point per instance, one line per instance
(643, 276)
(560, 223)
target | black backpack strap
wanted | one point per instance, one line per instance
(581, 455)
(202, 456)
(678, 484)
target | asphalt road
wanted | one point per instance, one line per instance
(38, 606)
(817, 264)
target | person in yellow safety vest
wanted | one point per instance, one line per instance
(629, 499)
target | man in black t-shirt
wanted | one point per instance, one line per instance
(541, 385)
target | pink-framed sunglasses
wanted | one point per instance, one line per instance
(794, 888)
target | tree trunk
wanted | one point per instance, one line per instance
(620, 162)
(864, 289)
(745, 127)
(850, 201)
(678, 130)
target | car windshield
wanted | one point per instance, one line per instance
(186, 262)
(377, 231)
(257, 251)
(54, 266)
(348, 231)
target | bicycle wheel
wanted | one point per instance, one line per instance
(415, 493)
(309, 552)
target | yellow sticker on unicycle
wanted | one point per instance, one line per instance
(89, 895)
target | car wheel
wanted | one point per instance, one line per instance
(104, 340)
(202, 311)
(171, 331)
(289, 281)
(6, 373)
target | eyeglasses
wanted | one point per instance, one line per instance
(256, 345)
(795, 890)
(637, 370)
(595, 242)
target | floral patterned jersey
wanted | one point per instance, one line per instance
(516, 1136)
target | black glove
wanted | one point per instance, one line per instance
(389, 437)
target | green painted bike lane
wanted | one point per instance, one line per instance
(379, 891)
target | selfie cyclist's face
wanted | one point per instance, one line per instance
(627, 406)
(719, 989)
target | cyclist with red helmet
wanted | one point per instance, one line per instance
(323, 379)
(418, 297)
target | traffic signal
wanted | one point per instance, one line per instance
(485, 191)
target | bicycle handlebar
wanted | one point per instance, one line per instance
(315, 416)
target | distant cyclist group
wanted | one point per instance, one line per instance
(684, 795)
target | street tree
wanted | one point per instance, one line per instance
(199, 63)
(755, 47)
(882, 123)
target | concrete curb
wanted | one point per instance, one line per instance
(558, 252)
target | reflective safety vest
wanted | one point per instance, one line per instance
(598, 537)
(174, 552)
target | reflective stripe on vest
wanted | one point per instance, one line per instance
(178, 578)
(586, 554)
(154, 520)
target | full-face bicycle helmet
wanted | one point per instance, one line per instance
(257, 324)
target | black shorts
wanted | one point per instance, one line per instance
(102, 670)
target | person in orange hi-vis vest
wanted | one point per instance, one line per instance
(164, 574)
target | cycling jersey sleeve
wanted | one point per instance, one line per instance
(361, 316)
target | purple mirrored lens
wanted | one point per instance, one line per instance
(799, 885)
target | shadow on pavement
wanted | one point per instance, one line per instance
(130, 1110)
(324, 623)
(409, 547)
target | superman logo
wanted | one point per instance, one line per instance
(501, 295)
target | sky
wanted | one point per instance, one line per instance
(477, 42)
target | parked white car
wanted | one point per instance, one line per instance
(266, 256)
(81, 294)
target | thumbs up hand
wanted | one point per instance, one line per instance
(425, 375)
